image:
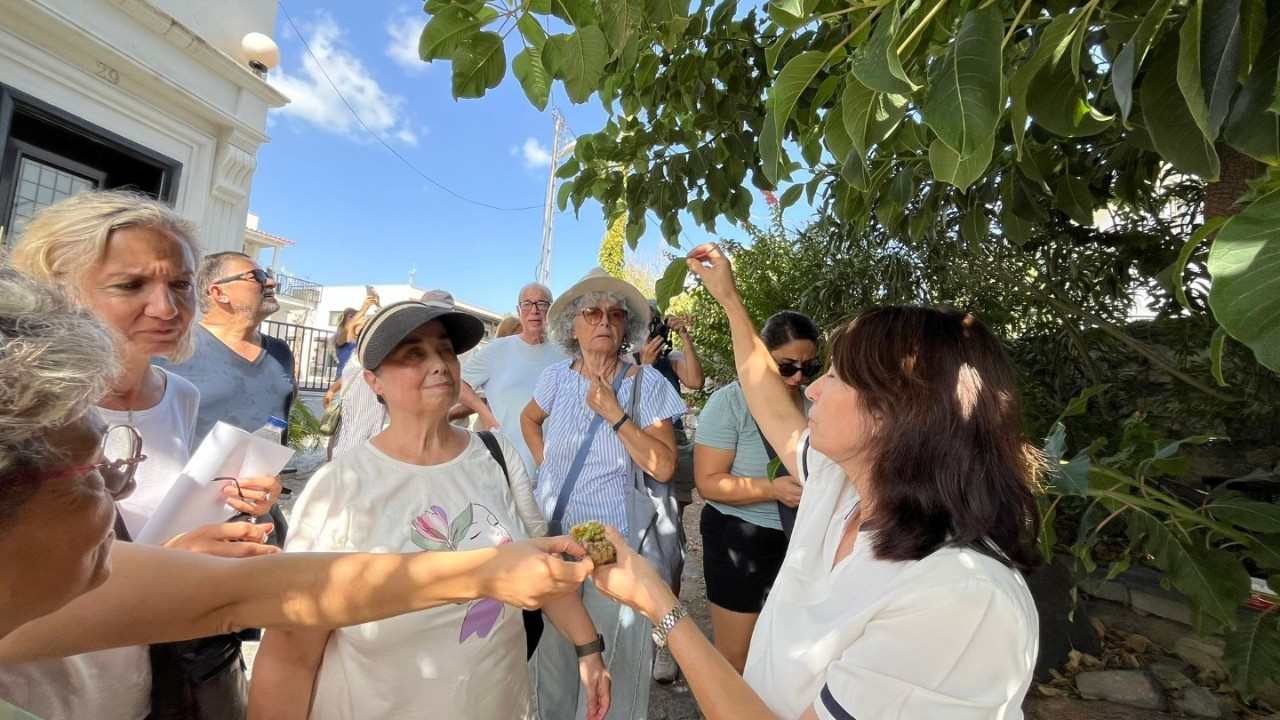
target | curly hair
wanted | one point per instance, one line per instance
(64, 241)
(56, 361)
(561, 325)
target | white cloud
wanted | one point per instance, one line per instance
(536, 155)
(404, 31)
(313, 100)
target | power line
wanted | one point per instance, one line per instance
(378, 137)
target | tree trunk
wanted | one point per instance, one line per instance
(1220, 197)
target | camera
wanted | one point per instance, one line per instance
(658, 327)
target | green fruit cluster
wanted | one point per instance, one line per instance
(590, 535)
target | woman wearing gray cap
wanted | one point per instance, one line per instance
(422, 483)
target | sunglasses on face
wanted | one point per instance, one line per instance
(527, 305)
(594, 316)
(258, 275)
(122, 452)
(809, 369)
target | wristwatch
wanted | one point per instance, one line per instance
(595, 646)
(668, 622)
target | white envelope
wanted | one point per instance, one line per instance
(195, 499)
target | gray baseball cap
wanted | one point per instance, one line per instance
(394, 322)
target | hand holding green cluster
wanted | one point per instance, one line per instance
(590, 535)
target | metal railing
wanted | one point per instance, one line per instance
(315, 362)
(303, 290)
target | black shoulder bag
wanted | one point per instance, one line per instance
(533, 623)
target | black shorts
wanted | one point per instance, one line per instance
(740, 560)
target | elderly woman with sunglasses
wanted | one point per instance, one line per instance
(65, 588)
(743, 538)
(131, 260)
(588, 431)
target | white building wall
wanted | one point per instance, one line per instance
(223, 23)
(127, 67)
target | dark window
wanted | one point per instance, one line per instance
(47, 155)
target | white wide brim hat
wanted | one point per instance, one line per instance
(597, 280)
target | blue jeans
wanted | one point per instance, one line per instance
(553, 672)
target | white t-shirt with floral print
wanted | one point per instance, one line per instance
(462, 661)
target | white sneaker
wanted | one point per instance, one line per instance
(665, 669)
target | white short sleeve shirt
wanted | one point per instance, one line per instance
(954, 635)
(464, 661)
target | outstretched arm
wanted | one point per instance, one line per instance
(768, 399)
(157, 595)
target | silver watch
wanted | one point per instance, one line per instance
(668, 621)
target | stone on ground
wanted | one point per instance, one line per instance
(1136, 688)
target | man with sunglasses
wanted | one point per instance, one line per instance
(244, 376)
(506, 370)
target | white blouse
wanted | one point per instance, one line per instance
(954, 635)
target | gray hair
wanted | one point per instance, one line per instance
(65, 240)
(56, 361)
(561, 325)
(212, 268)
(535, 286)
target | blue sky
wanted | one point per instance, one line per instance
(358, 215)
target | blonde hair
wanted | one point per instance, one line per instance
(64, 241)
(56, 361)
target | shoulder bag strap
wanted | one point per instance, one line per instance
(580, 459)
(491, 442)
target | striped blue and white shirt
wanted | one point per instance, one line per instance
(599, 493)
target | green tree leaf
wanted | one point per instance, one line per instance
(533, 76)
(584, 54)
(532, 32)
(1252, 652)
(791, 195)
(448, 27)
(1213, 580)
(1169, 121)
(1184, 255)
(965, 97)
(1054, 41)
(1131, 56)
(1265, 550)
(792, 81)
(620, 20)
(1248, 514)
(868, 116)
(876, 63)
(671, 283)
(478, 65)
(1208, 61)
(1217, 344)
(578, 13)
(1253, 125)
(1244, 263)
(1075, 199)
(956, 169)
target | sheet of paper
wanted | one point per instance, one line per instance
(195, 499)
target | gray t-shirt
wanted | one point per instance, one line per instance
(234, 390)
(725, 423)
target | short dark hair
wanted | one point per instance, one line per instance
(951, 464)
(212, 268)
(788, 326)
